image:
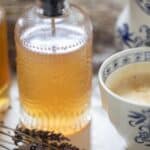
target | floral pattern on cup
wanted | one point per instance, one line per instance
(141, 120)
(144, 5)
(125, 60)
(130, 39)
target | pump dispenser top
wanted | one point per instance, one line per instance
(53, 8)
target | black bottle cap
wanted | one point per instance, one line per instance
(53, 8)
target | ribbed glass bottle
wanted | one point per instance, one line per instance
(54, 51)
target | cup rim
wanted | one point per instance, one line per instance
(107, 61)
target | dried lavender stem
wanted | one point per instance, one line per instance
(21, 136)
(5, 127)
(25, 141)
(3, 133)
(6, 134)
(27, 136)
(4, 147)
(4, 141)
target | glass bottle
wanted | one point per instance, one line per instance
(54, 51)
(4, 69)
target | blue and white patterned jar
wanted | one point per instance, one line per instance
(133, 25)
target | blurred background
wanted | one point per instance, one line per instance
(103, 13)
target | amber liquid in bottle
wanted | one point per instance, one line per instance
(4, 71)
(55, 82)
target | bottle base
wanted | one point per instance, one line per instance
(66, 126)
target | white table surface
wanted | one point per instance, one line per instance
(99, 135)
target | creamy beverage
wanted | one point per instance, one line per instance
(132, 82)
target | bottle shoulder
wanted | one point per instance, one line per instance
(53, 35)
(74, 16)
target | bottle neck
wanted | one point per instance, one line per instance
(53, 8)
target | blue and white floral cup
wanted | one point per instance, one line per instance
(130, 119)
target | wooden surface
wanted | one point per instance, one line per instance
(99, 135)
